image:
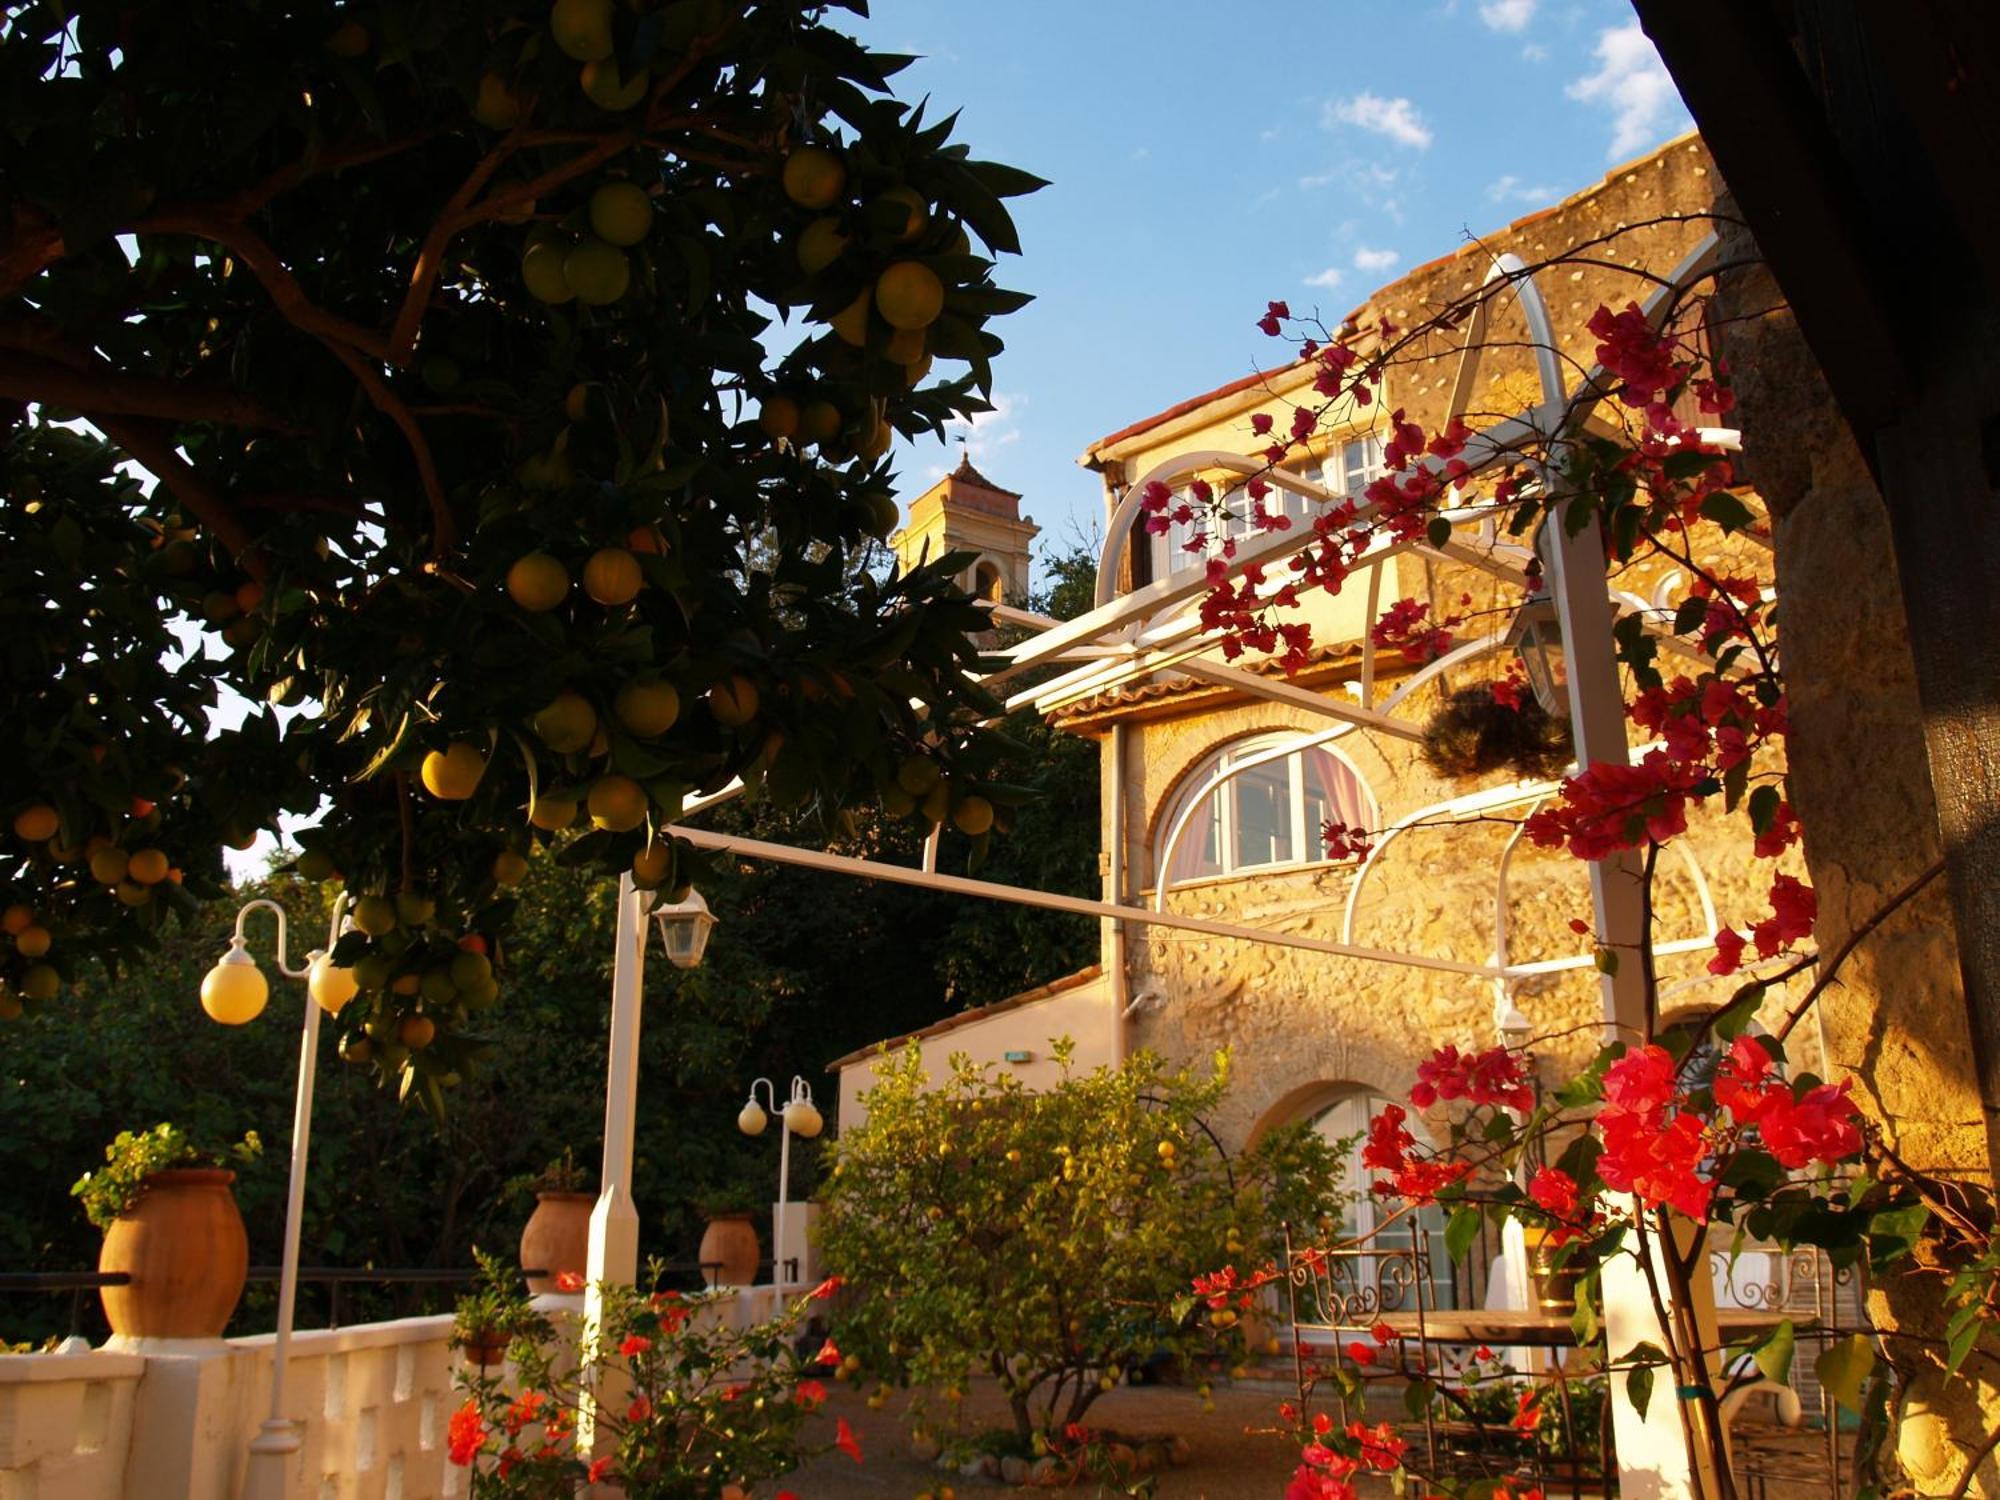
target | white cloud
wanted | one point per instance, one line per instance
(1534, 52)
(985, 434)
(1507, 15)
(1511, 189)
(1396, 118)
(1366, 259)
(1329, 278)
(1634, 85)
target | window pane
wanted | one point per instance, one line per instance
(1263, 810)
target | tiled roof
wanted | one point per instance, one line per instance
(966, 1017)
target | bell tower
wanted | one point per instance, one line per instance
(967, 512)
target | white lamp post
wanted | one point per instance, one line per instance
(799, 1117)
(234, 992)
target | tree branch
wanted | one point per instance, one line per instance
(155, 450)
(98, 387)
(251, 248)
(444, 526)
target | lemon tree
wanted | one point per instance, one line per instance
(425, 369)
(1049, 1239)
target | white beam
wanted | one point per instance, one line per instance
(1278, 690)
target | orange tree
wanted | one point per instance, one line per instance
(1048, 1239)
(515, 386)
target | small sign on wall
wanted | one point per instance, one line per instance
(1019, 1057)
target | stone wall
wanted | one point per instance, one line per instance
(1895, 1022)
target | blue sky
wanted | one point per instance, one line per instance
(1205, 157)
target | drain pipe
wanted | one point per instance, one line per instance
(1115, 892)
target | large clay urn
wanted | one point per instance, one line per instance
(183, 1246)
(729, 1251)
(557, 1238)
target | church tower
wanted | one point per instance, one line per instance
(967, 512)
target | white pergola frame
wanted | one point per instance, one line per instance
(1129, 638)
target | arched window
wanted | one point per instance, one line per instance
(987, 583)
(1268, 814)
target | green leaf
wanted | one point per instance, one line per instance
(1583, 1322)
(1460, 1231)
(1740, 1012)
(1960, 1340)
(1764, 807)
(1774, 1355)
(1726, 511)
(1843, 1366)
(1639, 1388)
(1607, 960)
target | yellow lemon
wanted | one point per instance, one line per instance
(36, 823)
(612, 576)
(617, 803)
(375, 915)
(582, 28)
(416, 1032)
(652, 865)
(647, 708)
(452, 774)
(497, 107)
(918, 774)
(107, 865)
(542, 272)
(909, 295)
(819, 421)
(509, 868)
(779, 417)
(537, 582)
(820, 245)
(733, 701)
(851, 322)
(148, 867)
(621, 213)
(973, 816)
(606, 86)
(598, 273)
(567, 723)
(814, 177)
(553, 814)
(916, 212)
(33, 940)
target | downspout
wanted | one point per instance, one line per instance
(1115, 892)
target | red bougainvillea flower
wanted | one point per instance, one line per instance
(1821, 1126)
(1360, 1353)
(522, 1410)
(1490, 1077)
(1322, 1423)
(1381, 1449)
(1555, 1191)
(844, 1440)
(828, 1354)
(810, 1394)
(465, 1435)
(600, 1469)
(1309, 1483)
(828, 1287)
(1610, 807)
(569, 1281)
(1388, 1142)
(634, 1344)
(640, 1409)
(510, 1460)
(1743, 1081)
(1729, 945)
(1382, 1333)
(1656, 1159)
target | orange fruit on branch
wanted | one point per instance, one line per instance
(814, 177)
(909, 295)
(617, 803)
(537, 582)
(452, 774)
(612, 577)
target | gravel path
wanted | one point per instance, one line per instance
(1239, 1451)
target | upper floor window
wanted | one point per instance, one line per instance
(1347, 471)
(1268, 814)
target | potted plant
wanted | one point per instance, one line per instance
(171, 1225)
(493, 1315)
(730, 1252)
(556, 1237)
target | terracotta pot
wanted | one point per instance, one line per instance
(557, 1237)
(731, 1240)
(484, 1349)
(1555, 1286)
(183, 1245)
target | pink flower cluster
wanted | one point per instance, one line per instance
(1794, 909)
(1490, 1077)
(1819, 1125)
(1608, 807)
(1406, 626)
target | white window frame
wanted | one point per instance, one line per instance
(1168, 549)
(1222, 815)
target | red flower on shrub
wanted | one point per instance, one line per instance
(827, 1288)
(844, 1440)
(600, 1469)
(640, 1409)
(810, 1394)
(828, 1354)
(465, 1435)
(1360, 1353)
(1381, 1449)
(634, 1345)
(569, 1281)
(1554, 1190)
(1490, 1077)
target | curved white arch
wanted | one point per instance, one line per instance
(1198, 799)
